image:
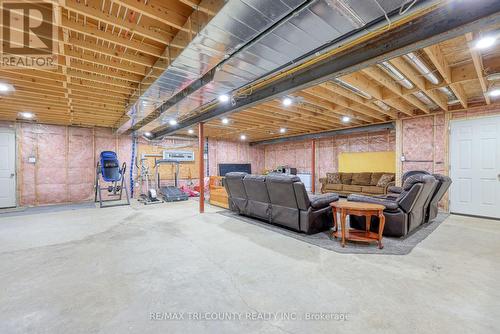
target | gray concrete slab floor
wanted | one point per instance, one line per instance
(134, 269)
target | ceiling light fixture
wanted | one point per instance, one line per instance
(485, 42)
(223, 98)
(346, 119)
(287, 101)
(190, 131)
(225, 121)
(172, 122)
(5, 87)
(282, 130)
(148, 134)
(27, 115)
(494, 92)
(243, 137)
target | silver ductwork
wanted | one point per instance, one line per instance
(352, 88)
(382, 105)
(396, 75)
(249, 39)
(421, 67)
(424, 98)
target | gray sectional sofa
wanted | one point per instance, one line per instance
(279, 199)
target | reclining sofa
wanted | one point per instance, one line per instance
(406, 207)
(279, 199)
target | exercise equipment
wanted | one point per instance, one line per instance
(108, 167)
(150, 196)
(169, 193)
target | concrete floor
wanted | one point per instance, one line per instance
(108, 270)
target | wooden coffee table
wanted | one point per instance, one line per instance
(358, 209)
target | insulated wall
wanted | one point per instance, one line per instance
(56, 164)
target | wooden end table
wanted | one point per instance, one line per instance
(358, 209)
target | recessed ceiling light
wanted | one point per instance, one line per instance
(190, 131)
(223, 98)
(148, 134)
(243, 137)
(5, 87)
(225, 121)
(172, 122)
(494, 92)
(282, 130)
(287, 101)
(346, 119)
(26, 115)
(485, 42)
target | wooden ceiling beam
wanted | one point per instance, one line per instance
(477, 60)
(109, 37)
(439, 61)
(129, 26)
(419, 81)
(378, 76)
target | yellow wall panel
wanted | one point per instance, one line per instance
(356, 162)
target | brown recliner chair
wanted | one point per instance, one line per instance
(444, 183)
(258, 199)
(404, 213)
(237, 197)
(279, 199)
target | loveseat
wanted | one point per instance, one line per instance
(279, 199)
(368, 183)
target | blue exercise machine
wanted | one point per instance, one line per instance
(108, 167)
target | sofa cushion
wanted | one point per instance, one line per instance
(335, 187)
(385, 180)
(323, 200)
(332, 178)
(353, 188)
(372, 190)
(375, 177)
(361, 179)
(389, 205)
(346, 178)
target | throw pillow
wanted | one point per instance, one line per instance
(385, 180)
(333, 178)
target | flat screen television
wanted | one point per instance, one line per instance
(227, 168)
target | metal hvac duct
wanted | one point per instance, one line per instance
(236, 45)
(395, 74)
(352, 88)
(419, 64)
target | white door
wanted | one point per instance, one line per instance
(475, 167)
(7, 168)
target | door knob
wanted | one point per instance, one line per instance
(12, 174)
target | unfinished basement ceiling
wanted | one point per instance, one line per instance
(108, 51)
(302, 30)
(457, 64)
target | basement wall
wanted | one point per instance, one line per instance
(66, 158)
(298, 154)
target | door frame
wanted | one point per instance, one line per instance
(7, 129)
(451, 122)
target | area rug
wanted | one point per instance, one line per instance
(392, 246)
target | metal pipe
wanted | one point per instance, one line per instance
(327, 134)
